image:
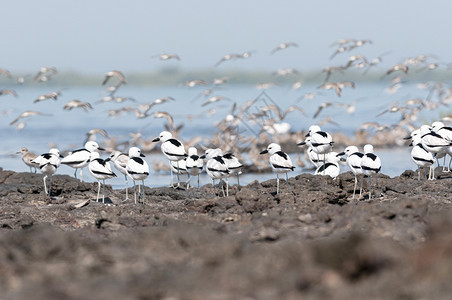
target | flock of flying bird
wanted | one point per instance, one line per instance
(267, 115)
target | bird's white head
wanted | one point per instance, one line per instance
(192, 151)
(213, 152)
(114, 155)
(368, 148)
(92, 146)
(425, 129)
(350, 150)
(163, 136)
(313, 129)
(273, 148)
(437, 126)
(55, 151)
(135, 152)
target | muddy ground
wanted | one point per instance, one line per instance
(312, 241)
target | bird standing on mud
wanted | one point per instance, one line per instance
(101, 170)
(48, 164)
(173, 149)
(27, 158)
(137, 169)
(78, 159)
(279, 161)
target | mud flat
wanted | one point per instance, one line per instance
(312, 241)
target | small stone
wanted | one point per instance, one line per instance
(306, 218)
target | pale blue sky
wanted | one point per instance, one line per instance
(100, 35)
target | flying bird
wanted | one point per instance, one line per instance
(51, 95)
(45, 73)
(214, 99)
(167, 56)
(117, 74)
(167, 116)
(283, 46)
(11, 92)
(26, 114)
(77, 104)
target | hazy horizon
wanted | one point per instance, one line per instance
(94, 37)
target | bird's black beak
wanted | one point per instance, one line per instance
(407, 137)
(142, 155)
(61, 156)
(202, 156)
(263, 152)
(101, 149)
(307, 134)
(157, 139)
(341, 154)
(301, 144)
(107, 159)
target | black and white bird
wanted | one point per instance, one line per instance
(78, 159)
(179, 167)
(433, 143)
(354, 158)
(446, 133)
(194, 164)
(137, 169)
(120, 160)
(321, 141)
(48, 164)
(279, 161)
(234, 166)
(370, 164)
(331, 167)
(27, 158)
(101, 170)
(421, 157)
(173, 149)
(217, 168)
(314, 158)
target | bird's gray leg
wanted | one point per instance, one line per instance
(222, 187)
(103, 191)
(98, 191)
(135, 193)
(227, 187)
(50, 187)
(188, 181)
(178, 171)
(45, 186)
(277, 183)
(142, 183)
(127, 188)
(171, 169)
(376, 181)
(354, 188)
(361, 189)
(370, 187)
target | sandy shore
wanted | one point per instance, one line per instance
(310, 242)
